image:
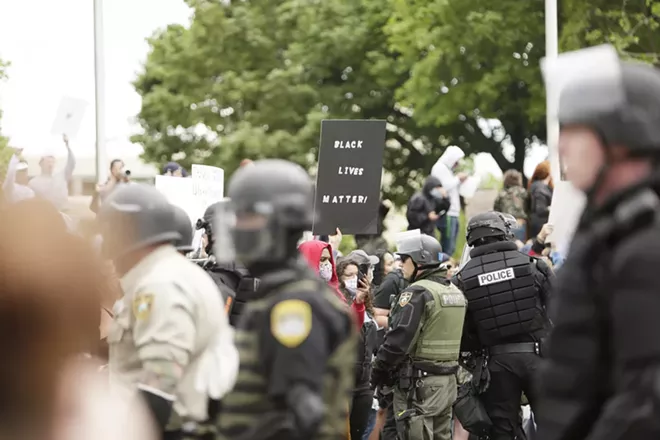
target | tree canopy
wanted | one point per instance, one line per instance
(254, 79)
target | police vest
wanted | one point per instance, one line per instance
(242, 285)
(438, 337)
(246, 406)
(502, 296)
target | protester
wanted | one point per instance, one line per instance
(53, 186)
(348, 272)
(540, 198)
(512, 199)
(175, 170)
(443, 170)
(320, 258)
(16, 185)
(118, 175)
(422, 212)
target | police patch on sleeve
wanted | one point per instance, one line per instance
(291, 322)
(142, 304)
(405, 298)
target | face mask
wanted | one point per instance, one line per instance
(437, 193)
(325, 271)
(351, 284)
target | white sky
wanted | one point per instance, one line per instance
(51, 47)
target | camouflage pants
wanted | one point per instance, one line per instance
(430, 419)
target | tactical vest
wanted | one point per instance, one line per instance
(242, 285)
(438, 336)
(502, 297)
(248, 408)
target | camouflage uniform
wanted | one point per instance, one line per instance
(512, 200)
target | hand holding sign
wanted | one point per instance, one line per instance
(69, 117)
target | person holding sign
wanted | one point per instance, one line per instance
(52, 186)
(600, 376)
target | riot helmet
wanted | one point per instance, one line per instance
(488, 225)
(206, 223)
(424, 251)
(182, 219)
(133, 217)
(512, 224)
(271, 204)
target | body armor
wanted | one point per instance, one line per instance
(498, 283)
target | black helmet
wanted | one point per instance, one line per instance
(424, 250)
(136, 216)
(623, 111)
(489, 224)
(184, 227)
(272, 203)
(512, 224)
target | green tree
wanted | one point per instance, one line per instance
(631, 26)
(474, 62)
(255, 79)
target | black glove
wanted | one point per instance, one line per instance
(380, 376)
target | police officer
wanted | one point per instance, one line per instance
(184, 228)
(507, 292)
(297, 340)
(422, 346)
(238, 287)
(168, 325)
(600, 373)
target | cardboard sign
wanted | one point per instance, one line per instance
(69, 117)
(179, 192)
(349, 176)
(469, 188)
(565, 211)
(208, 184)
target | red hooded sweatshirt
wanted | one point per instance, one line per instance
(312, 251)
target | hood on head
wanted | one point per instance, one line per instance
(430, 183)
(451, 156)
(312, 251)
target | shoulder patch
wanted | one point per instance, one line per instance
(142, 305)
(291, 322)
(405, 298)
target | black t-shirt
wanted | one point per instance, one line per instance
(391, 285)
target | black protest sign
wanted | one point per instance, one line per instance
(349, 174)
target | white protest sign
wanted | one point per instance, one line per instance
(179, 192)
(469, 187)
(565, 211)
(208, 184)
(69, 117)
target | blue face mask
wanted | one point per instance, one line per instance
(437, 193)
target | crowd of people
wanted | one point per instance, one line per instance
(121, 331)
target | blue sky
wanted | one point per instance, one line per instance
(51, 47)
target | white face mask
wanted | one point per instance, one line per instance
(325, 270)
(351, 284)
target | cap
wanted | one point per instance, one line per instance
(362, 257)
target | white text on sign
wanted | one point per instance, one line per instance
(344, 199)
(348, 144)
(496, 277)
(350, 171)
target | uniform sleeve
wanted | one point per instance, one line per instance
(297, 342)
(544, 278)
(164, 333)
(405, 324)
(384, 292)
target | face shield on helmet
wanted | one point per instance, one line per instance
(244, 233)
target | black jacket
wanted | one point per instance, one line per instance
(540, 199)
(423, 203)
(601, 371)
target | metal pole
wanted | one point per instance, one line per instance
(552, 124)
(99, 83)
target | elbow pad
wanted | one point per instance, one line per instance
(159, 404)
(307, 408)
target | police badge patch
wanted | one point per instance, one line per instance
(405, 298)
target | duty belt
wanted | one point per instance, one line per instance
(521, 347)
(423, 370)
